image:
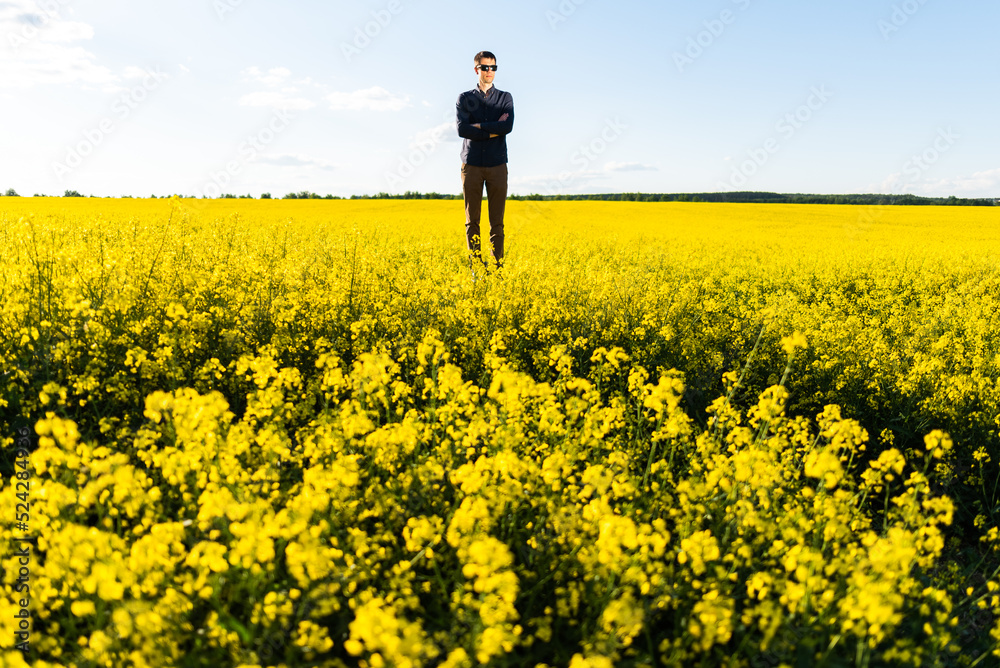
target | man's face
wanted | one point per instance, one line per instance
(486, 76)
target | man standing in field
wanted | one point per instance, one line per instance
(485, 118)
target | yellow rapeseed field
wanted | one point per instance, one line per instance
(297, 433)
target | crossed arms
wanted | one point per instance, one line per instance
(480, 125)
(483, 130)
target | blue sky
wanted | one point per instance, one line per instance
(201, 97)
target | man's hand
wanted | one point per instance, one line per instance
(501, 119)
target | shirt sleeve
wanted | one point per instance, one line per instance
(502, 127)
(465, 129)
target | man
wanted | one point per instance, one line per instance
(485, 118)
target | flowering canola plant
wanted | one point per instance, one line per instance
(299, 434)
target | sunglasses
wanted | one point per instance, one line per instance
(487, 68)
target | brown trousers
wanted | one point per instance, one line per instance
(495, 179)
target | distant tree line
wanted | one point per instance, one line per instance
(734, 197)
(771, 198)
(305, 194)
(409, 194)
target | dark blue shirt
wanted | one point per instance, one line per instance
(474, 106)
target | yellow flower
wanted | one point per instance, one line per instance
(793, 342)
(83, 608)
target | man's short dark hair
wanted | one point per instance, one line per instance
(485, 54)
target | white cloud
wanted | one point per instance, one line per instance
(272, 77)
(564, 183)
(433, 136)
(55, 64)
(296, 160)
(276, 100)
(629, 167)
(280, 96)
(979, 184)
(37, 47)
(68, 31)
(132, 72)
(368, 99)
(893, 184)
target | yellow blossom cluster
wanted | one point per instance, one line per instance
(270, 434)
